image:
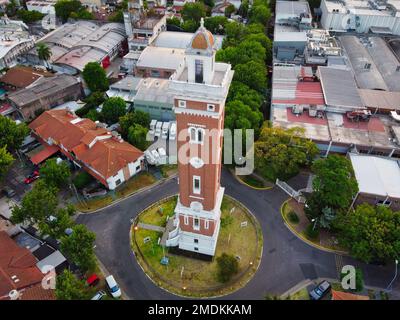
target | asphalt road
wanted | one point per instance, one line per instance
(286, 259)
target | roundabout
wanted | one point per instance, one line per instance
(240, 238)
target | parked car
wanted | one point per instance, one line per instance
(158, 129)
(149, 157)
(93, 280)
(32, 177)
(172, 131)
(165, 129)
(113, 287)
(320, 291)
(156, 156)
(99, 295)
(153, 126)
(9, 192)
(163, 156)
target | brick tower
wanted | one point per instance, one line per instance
(200, 88)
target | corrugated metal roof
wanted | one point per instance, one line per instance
(339, 88)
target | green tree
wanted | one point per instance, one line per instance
(209, 3)
(216, 25)
(193, 11)
(37, 205)
(246, 51)
(280, 153)
(262, 39)
(117, 16)
(64, 8)
(44, 52)
(69, 287)
(79, 247)
(6, 159)
(234, 32)
(252, 74)
(137, 117)
(241, 116)
(137, 136)
(12, 134)
(113, 109)
(260, 14)
(240, 92)
(372, 233)
(229, 10)
(82, 14)
(190, 26)
(95, 77)
(61, 221)
(11, 8)
(93, 115)
(244, 8)
(254, 28)
(228, 266)
(334, 185)
(55, 174)
(174, 21)
(29, 16)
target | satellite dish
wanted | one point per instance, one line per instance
(13, 295)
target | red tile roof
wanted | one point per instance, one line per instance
(92, 145)
(18, 268)
(339, 295)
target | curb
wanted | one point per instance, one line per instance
(159, 182)
(154, 281)
(246, 184)
(304, 239)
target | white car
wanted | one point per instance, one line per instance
(149, 157)
(113, 287)
(99, 295)
(165, 129)
(163, 156)
(158, 129)
(156, 156)
(172, 131)
(153, 126)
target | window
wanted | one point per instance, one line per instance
(199, 71)
(155, 73)
(210, 107)
(182, 104)
(196, 135)
(206, 224)
(137, 168)
(196, 249)
(196, 240)
(118, 182)
(186, 220)
(196, 224)
(384, 203)
(196, 184)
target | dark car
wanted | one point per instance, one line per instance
(320, 291)
(32, 177)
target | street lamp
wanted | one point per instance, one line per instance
(315, 222)
(394, 278)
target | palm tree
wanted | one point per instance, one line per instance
(44, 52)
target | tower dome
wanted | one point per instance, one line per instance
(202, 39)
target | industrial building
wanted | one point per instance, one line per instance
(73, 45)
(375, 16)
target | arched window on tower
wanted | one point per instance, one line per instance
(199, 71)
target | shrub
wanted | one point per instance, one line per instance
(227, 267)
(226, 221)
(311, 233)
(359, 279)
(293, 218)
(82, 179)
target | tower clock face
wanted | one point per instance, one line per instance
(196, 162)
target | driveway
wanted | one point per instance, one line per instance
(286, 259)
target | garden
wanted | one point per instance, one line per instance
(237, 257)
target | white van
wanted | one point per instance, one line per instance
(113, 287)
(158, 129)
(172, 131)
(165, 128)
(153, 126)
(163, 156)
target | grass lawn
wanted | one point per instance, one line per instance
(137, 182)
(300, 295)
(94, 204)
(252, 181)
(168, 170)
(191, 277)
(154, 216)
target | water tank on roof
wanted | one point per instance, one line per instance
(13, 295)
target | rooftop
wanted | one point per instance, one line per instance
(44, 87)
(180, 40)
(161, 58)
(155, 90)
(292, 8)
(339, 87)
(22, 76)
(377, 175)
(90, 142)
